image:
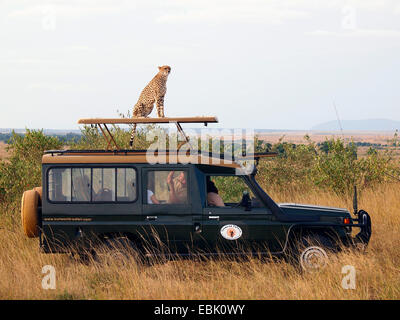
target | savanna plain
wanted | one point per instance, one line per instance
(377, 268)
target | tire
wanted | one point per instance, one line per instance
(311, 253)
(29, 213)
(40, 192)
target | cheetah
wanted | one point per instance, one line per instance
(153, 92)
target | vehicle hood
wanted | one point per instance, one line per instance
(296, 208)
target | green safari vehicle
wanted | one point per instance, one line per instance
(99, 195)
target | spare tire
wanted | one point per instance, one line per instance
(39, 190)
(29, 213)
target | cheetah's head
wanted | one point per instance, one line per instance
(165, 70)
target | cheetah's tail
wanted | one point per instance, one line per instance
(132, 135)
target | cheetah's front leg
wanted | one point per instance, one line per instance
(160, 107)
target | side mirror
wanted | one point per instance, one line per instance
(246, 201)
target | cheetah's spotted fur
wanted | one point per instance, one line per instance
(153, 92)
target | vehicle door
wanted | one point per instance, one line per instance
(235, 226)
(167, 209)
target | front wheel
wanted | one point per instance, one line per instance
(312, 252)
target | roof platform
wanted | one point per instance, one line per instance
(103, 122)
(204, 120)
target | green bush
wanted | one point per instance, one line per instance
(291, 169)
(334, 166)
(230, 188)
(22, 170)
(92, 138)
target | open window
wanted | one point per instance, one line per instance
(229, 191)
(167, 187)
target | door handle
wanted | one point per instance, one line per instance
(213, 217)
(149, 218)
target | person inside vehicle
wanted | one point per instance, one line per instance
(213, 198)
(177, 188)
(151, 198)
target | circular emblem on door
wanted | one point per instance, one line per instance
(231, 232)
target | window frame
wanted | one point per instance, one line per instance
(145, 187)
(224, 175)
(115, 167)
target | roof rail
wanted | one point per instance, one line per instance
(244, 156)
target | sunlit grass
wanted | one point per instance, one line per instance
(377, 277)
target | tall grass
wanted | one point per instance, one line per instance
(286, 180)
(377, 270)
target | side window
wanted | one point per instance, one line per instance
(103, 184)
(81, 184)
(225, 190)
(126, 184)
(60, 184)
(167, 187)
(92, 185)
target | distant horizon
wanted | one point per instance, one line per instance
(215, 126)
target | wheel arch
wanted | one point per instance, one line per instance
(298, 231)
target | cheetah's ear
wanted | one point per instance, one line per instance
(159, 68)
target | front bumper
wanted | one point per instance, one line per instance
(364, 223)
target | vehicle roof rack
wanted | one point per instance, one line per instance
(102, 123)
(244, 156)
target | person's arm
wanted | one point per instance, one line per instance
(214, 199)
(172, 194)
(154, 200)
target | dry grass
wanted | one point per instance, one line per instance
(378, 273)
(381, 137)
(3, 152)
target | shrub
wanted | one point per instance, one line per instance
(291, 169)
(22, 170)
(333, 166)
(92, 138)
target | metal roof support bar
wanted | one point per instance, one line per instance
(177, 120)
(111, 136)
(109, 140)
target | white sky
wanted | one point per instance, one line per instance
(254, 64)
